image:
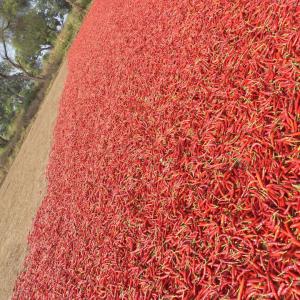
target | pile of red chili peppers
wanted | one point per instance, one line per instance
(174, 172)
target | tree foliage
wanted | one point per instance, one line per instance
(53, 11)
(12, 8)
(31, 33)
(31, 37)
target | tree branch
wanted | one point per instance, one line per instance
(16, 65)
(45, 48)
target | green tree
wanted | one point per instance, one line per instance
(19, 69)
(32, 35)
(11, 11)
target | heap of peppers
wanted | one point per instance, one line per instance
(174, 172)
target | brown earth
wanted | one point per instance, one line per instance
(24, 188)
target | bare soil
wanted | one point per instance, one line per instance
(24, 188)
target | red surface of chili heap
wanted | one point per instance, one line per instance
(174, 172)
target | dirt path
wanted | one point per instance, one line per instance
(24, 188)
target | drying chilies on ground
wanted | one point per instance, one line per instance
(174, 172)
